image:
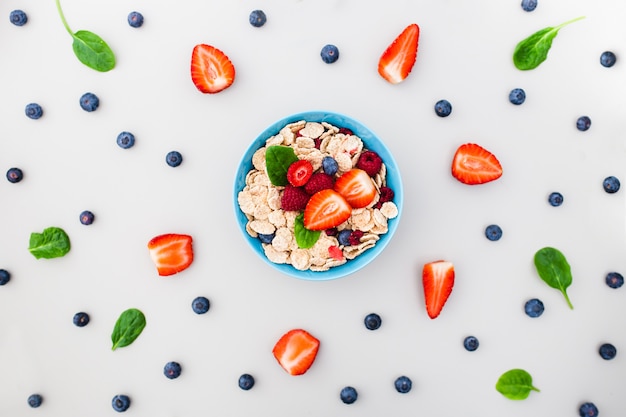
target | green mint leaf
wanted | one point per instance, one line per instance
(128, 327)
(515, 384)
(53, 242)
(305, 238)
(532, 51)
(554, 270)
(277, 161)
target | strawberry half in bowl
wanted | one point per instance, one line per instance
(318, 195)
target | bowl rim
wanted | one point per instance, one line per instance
(370, 139)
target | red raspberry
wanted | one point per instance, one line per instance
(331, 232)
(355, 237)
(369, 162)
(386, 194)
(318, 182)
(345, 131)
(294, 199)
(299, 172)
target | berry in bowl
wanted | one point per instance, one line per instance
(318, 196)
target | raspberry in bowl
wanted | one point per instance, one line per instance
(318, 195)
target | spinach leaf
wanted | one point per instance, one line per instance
(515, 384)
(277, 161)
(89, 48)
(533, 50)
(554, 270)
(128, 327)
(53, 242)
(305, 238)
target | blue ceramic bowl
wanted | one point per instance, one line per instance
(371, 142)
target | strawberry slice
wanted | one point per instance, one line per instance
(299, 172)
(326, 209)
(295, 351)
(397, 61)
(357, 187)
(438, 280)
(473, 164)
(211, 70)
(171, 253)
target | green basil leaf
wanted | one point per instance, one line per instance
(554, 270)
(305, 238)
(53, 242)
(515, 384)
(532, 51)
(128, 327)
(92, 51)
(277, 161)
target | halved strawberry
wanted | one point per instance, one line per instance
(438, 280)
(326, 209)
(171, 253)
(473, 164)
(296, 350)
(211, 70)
(357, 187)
(299, 172)
(397, 61)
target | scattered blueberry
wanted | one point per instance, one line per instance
(35, 400)
(555, 199)
(81, 319)
(89, 102)
(611, 184)
(533, 308)
(348, 395)
(607, 351)
(15, 175)
(614, 279)
(529, 5)
(329, 54)
(120, 403)
(330, 165)
(583, 123)
(443, 108)
(125, 140)
(588, 410)
(266, 238)
(200, 305)
(470, 343)
(18, 17)
(344, 237)
(33, 111)
(172, 370)
(517, 96)
(174, 158)
(607, 59)
(5, 276)
(493, 232)
(372, 321)
(257, 18)
(87, 217)
(135, 19)
(403, 384)
(246, 381)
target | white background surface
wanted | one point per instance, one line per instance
(72, 163)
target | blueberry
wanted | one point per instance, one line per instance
(89, 102)
(533, 308)
(372, 321)
(330, 165)
(120, 403)
(344, 237)
(555, 199)
(348, 395)
(403, 384)
(246, 381)
(86, 217)
(443, 108)
(529, 5)
(517, 96)
(200, 305)
(33, 111)
(18, 17)
(5, 276)
(614, 279)
(607, 59)
(583, 123)
(257, 18)
(329, 54)
(135, 19)
(607, 351)
(266, 238)
(172, 370)
(125, 140)
(174, 158)
(493, 232)
(15, 175)
(588, 410)
(611, 184)
(35, 400)
(470, 343)
(81, 319)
